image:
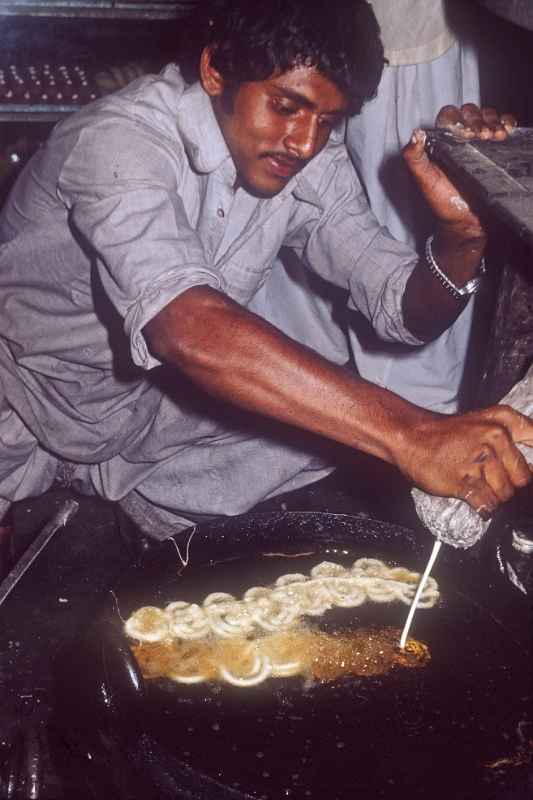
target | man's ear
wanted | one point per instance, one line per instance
(211, 79)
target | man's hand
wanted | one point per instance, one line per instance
(472, 122)
(449, 207)
(241, 359)
(468, 122)
(471, 457)
(459, 242)
(459, 237)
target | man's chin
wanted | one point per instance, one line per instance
(263, 189)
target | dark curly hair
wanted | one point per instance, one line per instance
(252, 40)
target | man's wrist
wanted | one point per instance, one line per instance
(458, 253)
(471, 286)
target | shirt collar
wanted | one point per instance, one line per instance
(302, 184)
(200, 131)
(303, 190)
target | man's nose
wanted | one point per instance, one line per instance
(301, 141)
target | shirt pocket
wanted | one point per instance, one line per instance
(243, 276)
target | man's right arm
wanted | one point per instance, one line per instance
(240, 358)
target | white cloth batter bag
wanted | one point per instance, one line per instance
(454, 521)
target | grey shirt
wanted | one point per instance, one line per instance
(130, 203)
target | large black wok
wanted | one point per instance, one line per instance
(456, 729)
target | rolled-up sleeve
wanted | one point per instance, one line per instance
(122, 189)
(345, 244)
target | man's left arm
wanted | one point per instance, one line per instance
(434, 296)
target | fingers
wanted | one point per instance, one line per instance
(425, 171)
(441, 195)
(491, 119)
(479, 496)
(490, 488)
(509, 122)
(415, 150)
(473, 457)
(490, 485)
(511, 459)
(500, 473)
(472, 122)
(498, 468)
(519, 426)
(451, 119)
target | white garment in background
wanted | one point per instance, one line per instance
(409, 95)
(413, 31)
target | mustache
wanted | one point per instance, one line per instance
(290, 161)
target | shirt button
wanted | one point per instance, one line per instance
(220, 212)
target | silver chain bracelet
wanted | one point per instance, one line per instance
(471, 287)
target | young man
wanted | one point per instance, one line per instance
(138, 237)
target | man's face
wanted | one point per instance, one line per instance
(274, 127)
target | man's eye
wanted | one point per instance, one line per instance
(328, 122)
(283, 108)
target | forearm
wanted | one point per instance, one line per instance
(429, 308)
(242, 359)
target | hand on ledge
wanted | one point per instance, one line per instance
(472, 122)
